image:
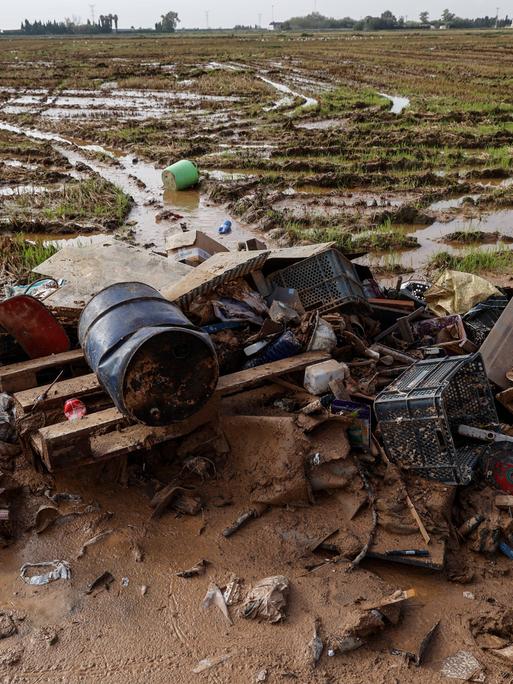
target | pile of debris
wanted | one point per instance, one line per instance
(297, 374)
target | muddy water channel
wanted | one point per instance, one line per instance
(142, 181)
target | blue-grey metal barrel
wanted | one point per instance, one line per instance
(155, 365)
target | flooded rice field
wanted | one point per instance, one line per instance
(369, 141)
(330, 141)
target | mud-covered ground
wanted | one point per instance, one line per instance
(149, 623)
(384, 143)
(295, 141)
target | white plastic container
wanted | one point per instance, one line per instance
(319, 375)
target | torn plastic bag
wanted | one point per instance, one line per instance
(226, 309)
(61, 570)
(267, 599)
(7, 422)
(455, 292)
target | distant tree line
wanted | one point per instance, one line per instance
(388, 21)
(167, 23)
(71, 26)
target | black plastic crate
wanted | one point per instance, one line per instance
(419, 414)
(324, 281)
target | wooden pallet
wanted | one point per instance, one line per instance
(20, 376)
(104, 432)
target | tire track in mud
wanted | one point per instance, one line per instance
(173, 617)
(103, 671)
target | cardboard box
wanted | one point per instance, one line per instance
(192, 247)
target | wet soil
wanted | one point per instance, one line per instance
(150, 623)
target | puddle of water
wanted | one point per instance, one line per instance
(28, 189)
(398, 103)
(322, 125)
(217, 65)
(282, 88)
(17, 164)
(68, 240)
(429, 239)
(454, 203)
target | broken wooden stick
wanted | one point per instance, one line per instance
(255, 512)
(372, 503)
(416, 517)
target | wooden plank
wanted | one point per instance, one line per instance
(88, 385)
(235, 382)
(392, 303)
(101, 447)
(83, 387)
(69, 435)
(16, 377)
(504, 501)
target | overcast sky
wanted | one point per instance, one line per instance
(227, 13)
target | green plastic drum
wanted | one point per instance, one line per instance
(181, 175)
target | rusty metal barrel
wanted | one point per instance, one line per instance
(156, 366)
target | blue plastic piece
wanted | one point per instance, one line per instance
(223, 325)
(506, 550)
(225, 228)
(286, 345)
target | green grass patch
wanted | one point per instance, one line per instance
(474, 260)
(94, 199)
(18, 256)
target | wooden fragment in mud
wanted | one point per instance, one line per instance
(88, 385)
(235, 382)
(416, 517)
(100, 436)
(504, 501)
(396, 597)
(82, 387)
(16, 377)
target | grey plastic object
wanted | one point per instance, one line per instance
(324, 281)
(420, 412)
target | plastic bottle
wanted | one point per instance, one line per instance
(225, 228)
(74, 409)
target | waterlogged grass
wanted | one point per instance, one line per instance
(344, 99)
(18, 256)
(381, 239)
(474, 260)
(93, 199)
(466, 236)
(500, 156)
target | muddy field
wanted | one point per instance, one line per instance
(369, 140)
(398, 148)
